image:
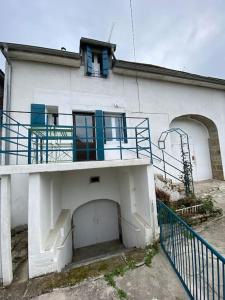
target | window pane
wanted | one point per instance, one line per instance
(108, 131)
(119, 127)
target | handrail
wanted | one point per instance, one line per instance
(199, 266)
(130, 224)
(211, 248)
(64, 241)
(167, 153)
(68, 114)
(56, 143)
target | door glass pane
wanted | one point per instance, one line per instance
(84, 129)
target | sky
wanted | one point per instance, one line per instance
(182, 35)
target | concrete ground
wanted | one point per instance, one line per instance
(88, 253)
(156, 282)
(87, 281)
(94, 289)
(213, 230)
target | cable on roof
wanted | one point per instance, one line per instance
(134, 52)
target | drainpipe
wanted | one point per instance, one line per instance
(7, 97)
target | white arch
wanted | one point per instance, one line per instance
(199, 147)
(95, 222)
(204, 145)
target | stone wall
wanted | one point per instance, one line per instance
(214, 149)
(19, 246)
(214, 146)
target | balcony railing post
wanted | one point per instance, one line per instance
(136, 138)
(36, 145)
(149, 139)
(29, 147)
(41, 150)
(46, 149)
(74, 143)
(120, 137)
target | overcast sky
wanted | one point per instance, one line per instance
(184, 35)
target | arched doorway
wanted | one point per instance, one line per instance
(204, 146)
(96, 222)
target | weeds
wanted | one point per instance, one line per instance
(150, 252)
(122, 294)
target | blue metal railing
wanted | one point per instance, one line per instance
(23, 143)
(200, 268)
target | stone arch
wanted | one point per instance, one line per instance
(96, 221)
(213, 142)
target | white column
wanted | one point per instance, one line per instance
(34, 238)
(152, 200)
(6, 254)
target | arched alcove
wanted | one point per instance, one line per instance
(204, 145)
(95, 222)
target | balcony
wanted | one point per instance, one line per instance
(73, 137)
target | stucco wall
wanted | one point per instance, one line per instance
(56, 196)
(69, 89)
(45, 207)
(47, 253)
(19, 199)
(77, 189)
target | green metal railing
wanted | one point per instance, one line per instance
(23, 143)
(200, 268)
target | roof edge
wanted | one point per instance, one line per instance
(38, 50)
(161, 71)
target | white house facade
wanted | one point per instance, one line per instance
(79, 147)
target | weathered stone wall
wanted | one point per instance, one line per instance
(19, 246)
(214, 149)
(214, 146)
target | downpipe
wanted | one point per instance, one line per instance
(7, 99)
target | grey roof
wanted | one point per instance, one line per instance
(85, 41)
(126, 65)
(153, 69)
(39, 50)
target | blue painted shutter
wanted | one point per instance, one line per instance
(89, 60)
(105, 63)
(37, 114)
(99, 134)
(124, 128)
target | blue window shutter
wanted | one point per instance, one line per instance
(99, 134)
(105, 63)
(89, 60)
(37, 114)
(104, 128)
(124, 128)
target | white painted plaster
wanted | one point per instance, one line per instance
(199, 147)
(121, 184)
(19, 190)
(68, 88)
(5, 234)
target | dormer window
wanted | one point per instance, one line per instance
(97, 62)
(96, 57)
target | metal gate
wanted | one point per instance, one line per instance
(200, 268)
